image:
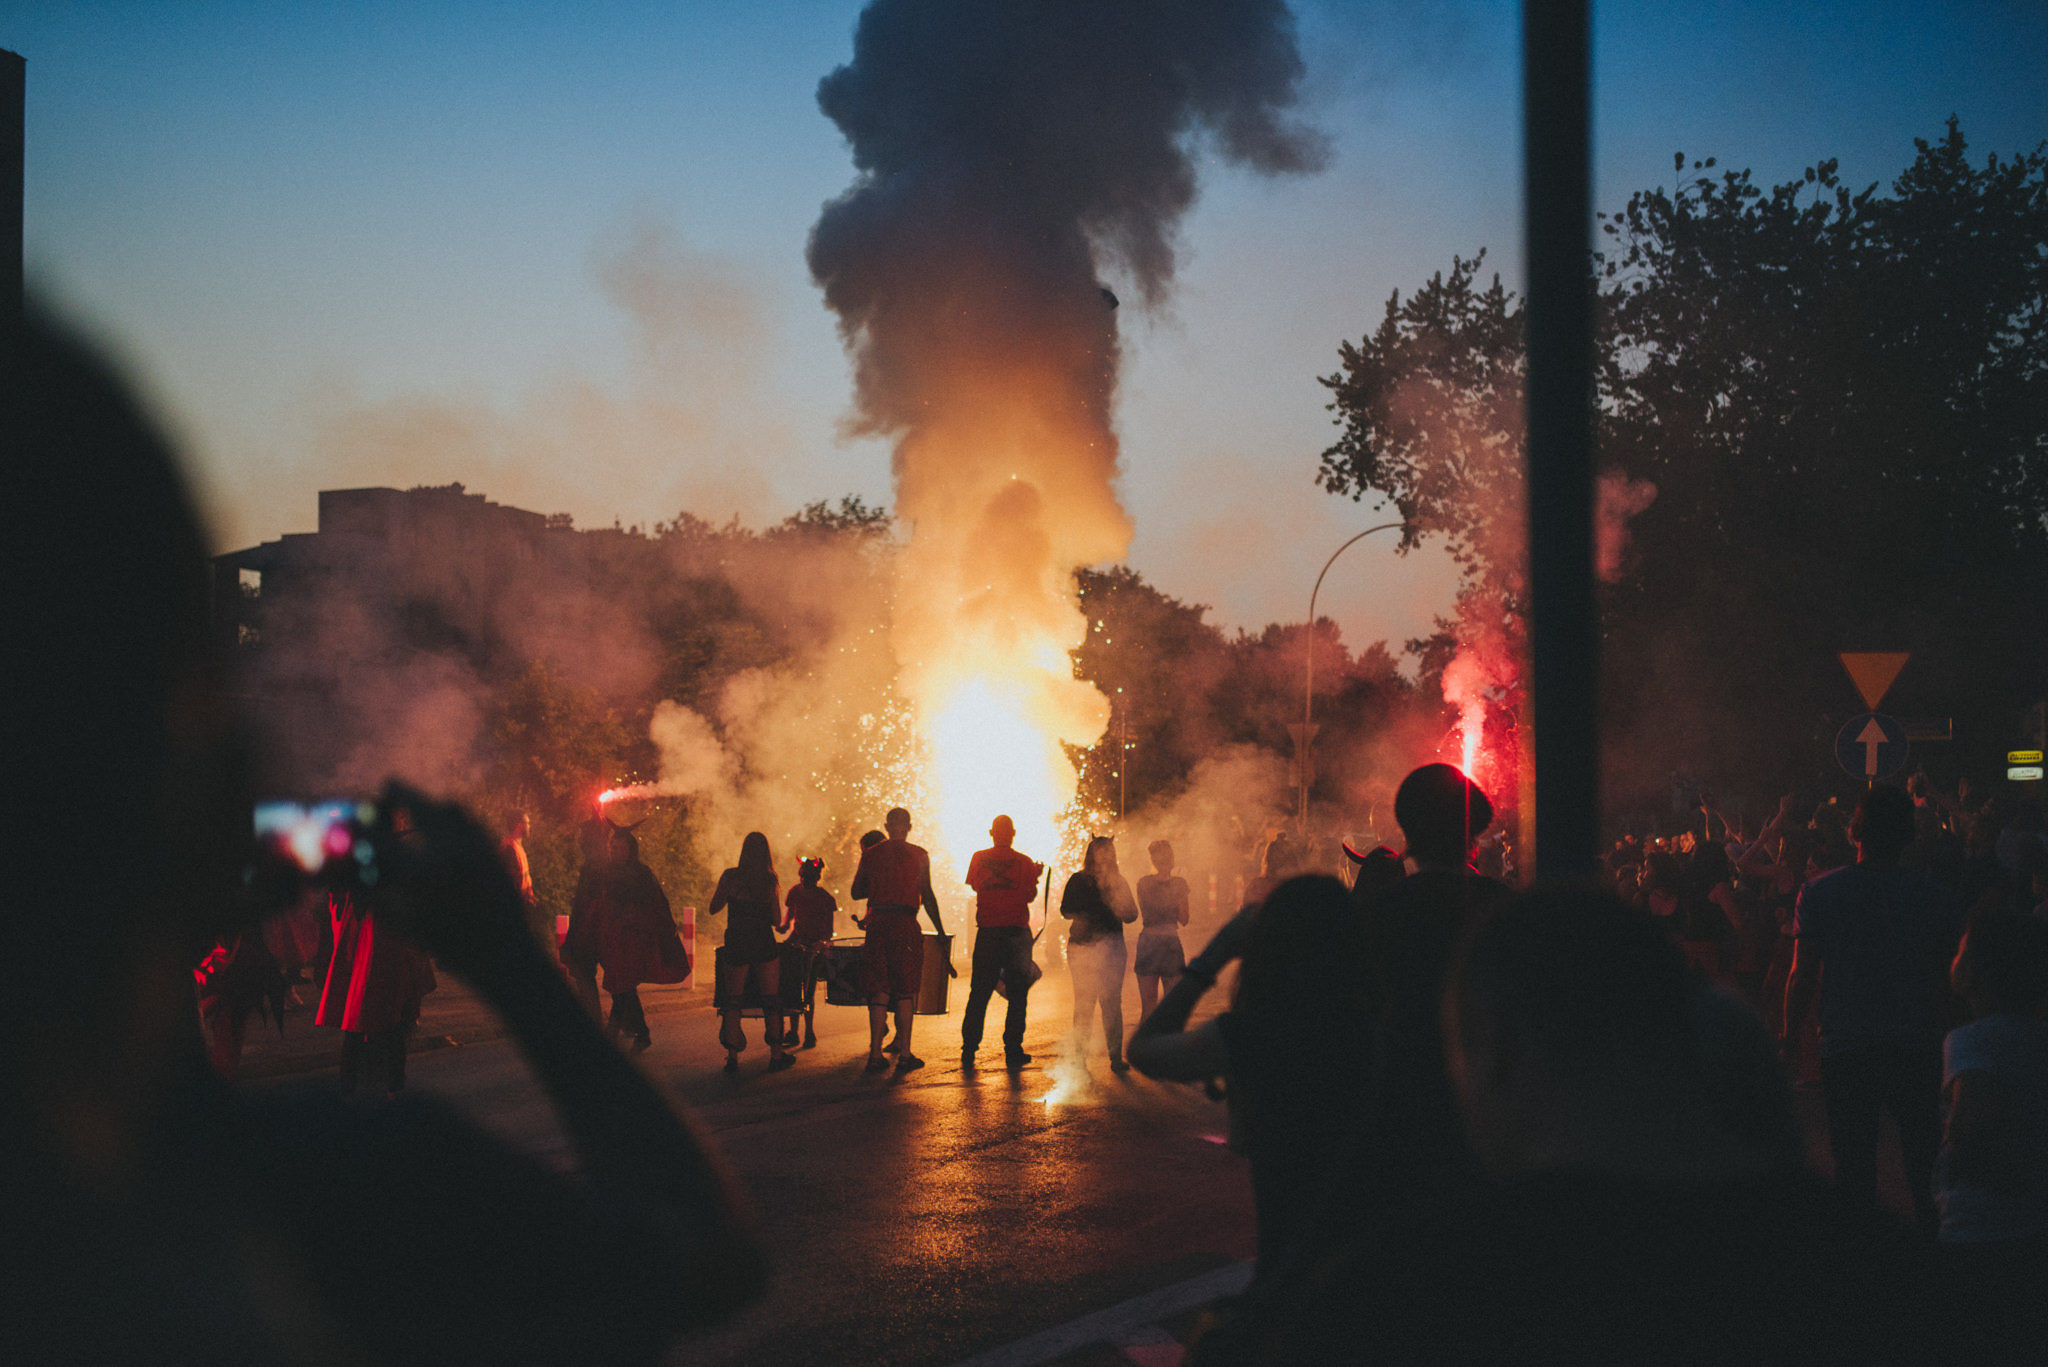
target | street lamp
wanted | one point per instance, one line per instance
(1308, 686)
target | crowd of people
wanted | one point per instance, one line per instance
(1480, 1125)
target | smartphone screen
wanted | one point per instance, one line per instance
(321, 838)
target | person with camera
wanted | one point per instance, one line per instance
(172, 1218)
(1292, 1052)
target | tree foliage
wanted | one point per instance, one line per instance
(1842, 400)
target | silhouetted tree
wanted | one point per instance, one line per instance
(1842, 400)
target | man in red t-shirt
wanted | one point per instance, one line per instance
(895, 878)
(1005, 884)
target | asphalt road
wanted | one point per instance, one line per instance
(915, 1221)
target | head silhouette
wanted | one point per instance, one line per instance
(1441, 812)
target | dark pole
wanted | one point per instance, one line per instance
(1563, 630)
(13, 138)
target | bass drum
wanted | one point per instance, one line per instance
(839, 965)
(789, 989)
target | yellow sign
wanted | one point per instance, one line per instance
(1873, 671)
(2023, 757)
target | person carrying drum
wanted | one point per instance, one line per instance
(1163, 903)
(808, 913)
(750, 951)
(1004, 883)
(895, 879)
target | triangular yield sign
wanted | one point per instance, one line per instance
(1873, 671)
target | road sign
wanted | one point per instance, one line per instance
(1873, 671)
(2024, 773)
(1872, 746)
(2023, 757)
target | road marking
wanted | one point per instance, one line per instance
(1104, 1325)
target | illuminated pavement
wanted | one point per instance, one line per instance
(943, 1218)
(921, 1221)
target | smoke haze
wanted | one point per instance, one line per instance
(1009, 156)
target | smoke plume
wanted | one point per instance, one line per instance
(1009, 156)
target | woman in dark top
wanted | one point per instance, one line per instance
(1099, 903)
(748, 890)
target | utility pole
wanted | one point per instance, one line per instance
(1564, 638)
(13, 161)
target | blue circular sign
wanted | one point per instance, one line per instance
(1872, 746)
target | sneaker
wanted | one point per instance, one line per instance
(908, 1063)
(966, 1060)
(1015, 1058)
(781, 1061)
(877, 1065)
(642, 1043)
(1117, 1065)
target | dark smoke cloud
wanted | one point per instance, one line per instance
(1008, 149)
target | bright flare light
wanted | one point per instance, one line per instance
(1472, 721)
(990, 758)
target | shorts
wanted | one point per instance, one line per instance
(1159, 955)
(892, 959)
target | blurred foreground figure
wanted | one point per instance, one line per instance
(169, 1218)
(1644, 1201)
(1294, 1049)
(1991, 1180)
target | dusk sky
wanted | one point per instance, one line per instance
(556, 252)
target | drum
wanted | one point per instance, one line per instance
(789, 990)
(839, 965)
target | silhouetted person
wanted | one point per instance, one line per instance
(589, 911)
(1642, 1198)
(1415, 1150)
(1991, 1178)
(1098, 903)
(808, 914)
(639, 943)
(751, 951)
(1294, 1049)
(512, 849)
(1873, 941)
(895, 879)
(1163, 910)
(1005, 884)
(375, 984)
(156, 1214)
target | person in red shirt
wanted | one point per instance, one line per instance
(895, 879)
(1004, 883)
(808, 912)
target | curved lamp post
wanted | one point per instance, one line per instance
(1308, 689)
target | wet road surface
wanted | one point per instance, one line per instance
(921, 1220)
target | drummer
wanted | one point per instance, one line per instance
(808, 913)
(895, 877)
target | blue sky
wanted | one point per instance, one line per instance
(381, 242)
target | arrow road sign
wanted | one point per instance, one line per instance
(1872, 746)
